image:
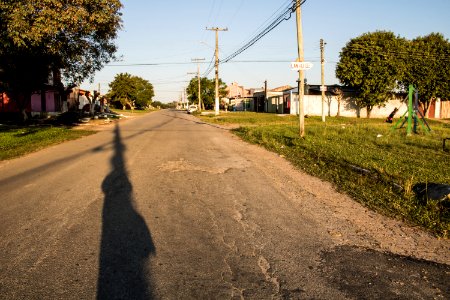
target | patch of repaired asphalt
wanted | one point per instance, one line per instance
(368, 274)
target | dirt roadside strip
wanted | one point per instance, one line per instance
(349, 222)
(106, 124)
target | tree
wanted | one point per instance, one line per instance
(130, 90)
(339, 96)
(428, 68)
(208, 93)
(144, 92)
(74, 38)
(159, 104)
(372, 64)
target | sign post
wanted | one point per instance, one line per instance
(301, 66)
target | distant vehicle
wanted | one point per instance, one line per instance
(192, 108)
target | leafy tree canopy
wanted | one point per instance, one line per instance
(144, 92)
(208, 91)
(127, 89)
(428, 69)
(74, 37)
(377, 63)
(371, 63)
(164, 105)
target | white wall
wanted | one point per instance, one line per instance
(313, 107)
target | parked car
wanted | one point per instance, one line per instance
(192, 108)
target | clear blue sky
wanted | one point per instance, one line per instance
(171, 33)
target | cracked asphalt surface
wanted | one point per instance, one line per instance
(164, 206)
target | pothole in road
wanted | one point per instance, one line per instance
(182, 165)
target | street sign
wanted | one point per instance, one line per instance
(323, 88)
(301, 65)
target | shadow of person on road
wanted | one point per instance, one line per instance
(126, 242)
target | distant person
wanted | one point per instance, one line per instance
(102, 104)
(83, 100)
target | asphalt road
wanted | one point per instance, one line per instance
(166, 207)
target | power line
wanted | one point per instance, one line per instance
(218, 11)
(210, 64)
(283, 16)
(236, 12)
(269, 20)
(149, 64)
(168, 82)
(316, 59)
(211, 11)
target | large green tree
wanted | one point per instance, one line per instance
(144, 92)
(208, 91)
(428, 67)
(372, 63)
(71, 37)
(130, 90)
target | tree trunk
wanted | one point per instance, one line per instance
(369, 111)
(23, 112)
(426, 107)
(338, 109)
(329, 97)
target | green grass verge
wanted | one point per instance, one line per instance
(16, 141)
(365, 158)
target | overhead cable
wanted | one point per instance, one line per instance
(285, 15)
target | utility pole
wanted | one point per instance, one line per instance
(198, 60)
(181, 100)
(266, 104)
(301, 75)
(216, 102)
(322, 88)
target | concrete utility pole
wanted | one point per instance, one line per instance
(301, 75)
(322, 88)
(216, 102)
(198, 60)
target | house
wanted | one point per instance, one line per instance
(238, 97)
(271, 101)
(9, 106)
(49, 100)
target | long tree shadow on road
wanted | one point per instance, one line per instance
(126, 242)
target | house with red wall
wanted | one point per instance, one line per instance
(35, 105)
(49, 100)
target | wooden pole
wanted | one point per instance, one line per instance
(301, 75)
(198, 60)
(216, 100)
(322, 62)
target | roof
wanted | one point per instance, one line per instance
(281, 88)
